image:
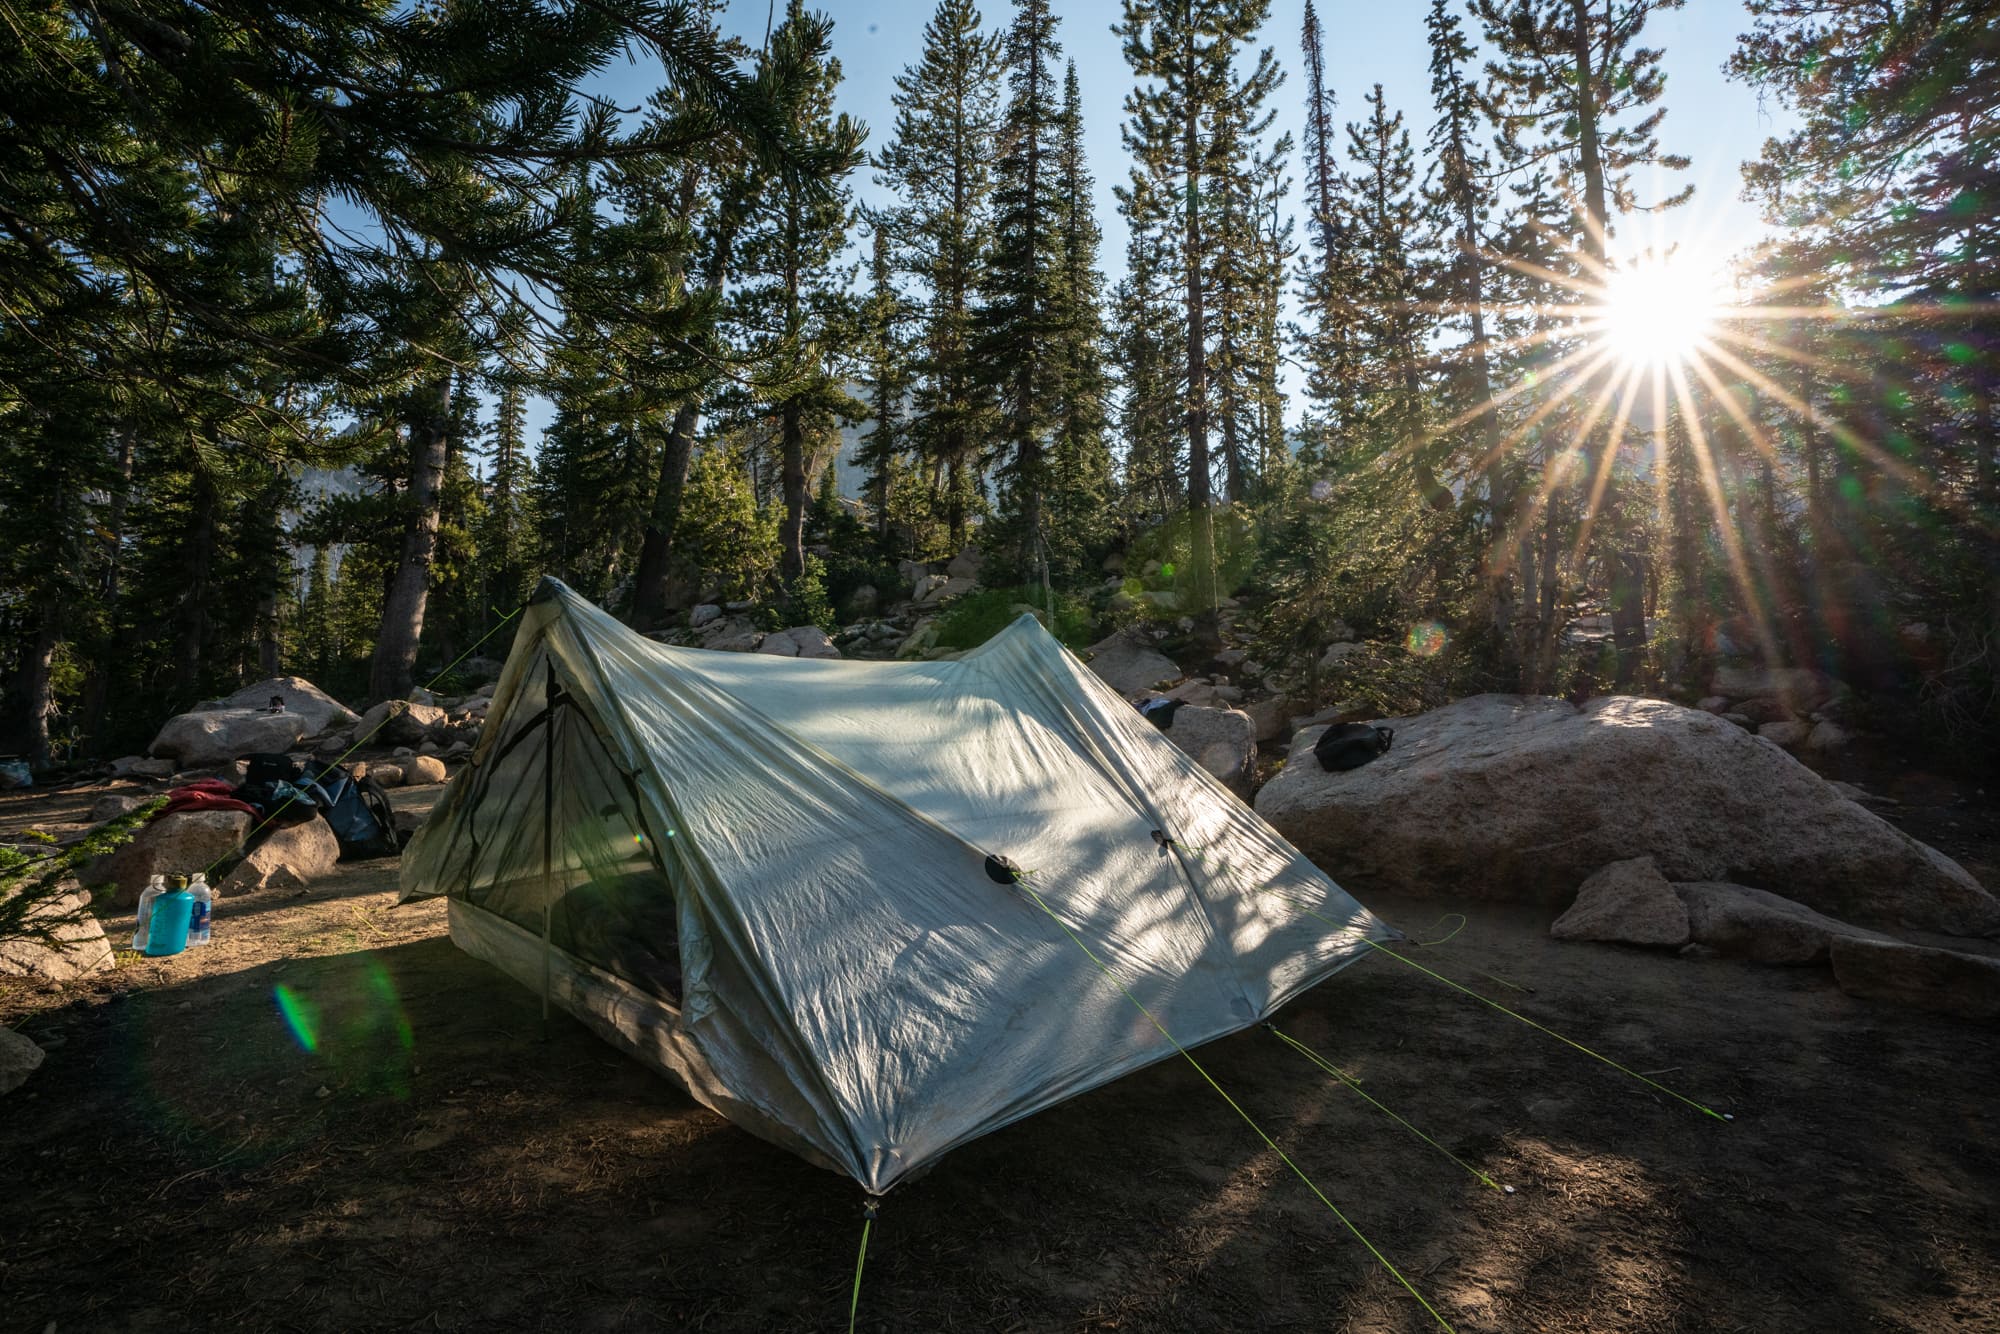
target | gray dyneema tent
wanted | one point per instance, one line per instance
(784, 880)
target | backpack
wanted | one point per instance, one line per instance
(1160, 711)
(359, 811)
(1351, 745)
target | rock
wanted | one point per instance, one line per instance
(1511, 798)
(1943, 981)
(1123, 601)
(334, 745)
(1788, 734)
(399, 722)
(1222, 741)
(139, 766)
(460, 750)
(1752, 924)
(479, 667)
(319, 709)
(703, 614)
(110, 806)
(966, 564)
(407, 823)
(1229, 659)
(1827, 738)
(1797, 688)
(1340, 633)
(745, 642)
(928, 586)
(921, 640)
(18, 1058)
(423, 769)
(801, 641)
(1163, 598)
(217, 736)
(401, 753)
(81, 950)
(864, 600)
(1193, 691)
(388, 775)
(287, 857)
(1739, 720)
(1128, 663)
(177, 844)
(360, 769)
(1337, 654)
(1626, 903)
(1272, 718)
(1150, 568)
(1114, 562)
(1714, 704)
(1769, 709)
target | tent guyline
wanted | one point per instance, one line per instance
(360, 742)
(1355, 1084)
(1703, 1108)
(1024, 878)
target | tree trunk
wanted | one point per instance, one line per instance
(649, 595)
(38, 681)
(792, 533)
(389, 675)
(198, 551)
(97, 694)
(1201, 535)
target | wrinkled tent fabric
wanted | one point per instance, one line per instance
(767, 875)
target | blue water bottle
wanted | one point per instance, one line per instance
(173, 913)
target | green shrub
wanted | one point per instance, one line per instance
(978, 616)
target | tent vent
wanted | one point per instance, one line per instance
(1002, 869)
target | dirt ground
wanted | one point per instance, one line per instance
(331, 1119)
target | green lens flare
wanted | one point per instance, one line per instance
(300, 1016)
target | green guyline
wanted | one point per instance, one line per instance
(1355, 1084)
(1457, 986)
(359, 743)
(1234, 1106)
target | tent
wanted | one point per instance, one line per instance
(784, 881)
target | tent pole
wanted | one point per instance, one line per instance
(548, 835)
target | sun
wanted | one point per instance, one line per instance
(1657, 312)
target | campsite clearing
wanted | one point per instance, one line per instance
(333, 1119)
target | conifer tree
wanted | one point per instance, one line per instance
(1327, 279)
(1080, 471)
(790, 308)
(939, 161)
(1020, 321)
(886, 360)
(1185, 55)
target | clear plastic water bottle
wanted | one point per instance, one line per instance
(154, 888)
(204, 905)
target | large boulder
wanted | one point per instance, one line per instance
(1753, 924)
(217, 736)
(319, 709)
(139, 766)
(18, 1058)
(966, 564)
(1626, 903)
(1800, 688)
(801, 641)
(1128, 662)
(1513, 798)
(112, 805)
(177, 844)
(399, 722)
(1271, 717)
(288, 857)
(1945, 981)
(1222, 741)
(80, 947)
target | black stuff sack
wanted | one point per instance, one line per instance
(1351, 745)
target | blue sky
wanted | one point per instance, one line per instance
(1713, 121)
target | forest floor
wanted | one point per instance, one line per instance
(414, 1149)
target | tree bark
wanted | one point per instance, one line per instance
(1201, 536)
(791, 534)
(649, 596)
(198, 548)
(97, 694)
(389, 675)
(38, 682)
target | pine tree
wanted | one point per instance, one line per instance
(791, 307)
(1020, 329)
(1080, 459)
(1327, 279)
(1185, 56)
(940, 163)
(886, 357)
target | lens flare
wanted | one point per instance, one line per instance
(1659, 312)
(1427, 639)
(301, 1016)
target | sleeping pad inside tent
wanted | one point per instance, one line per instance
(781, 880)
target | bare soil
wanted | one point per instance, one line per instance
(415, 1149)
